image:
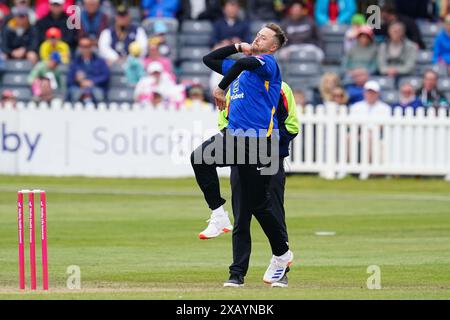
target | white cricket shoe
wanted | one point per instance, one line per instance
(218, 224)
(277, 267)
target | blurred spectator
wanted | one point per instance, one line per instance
(159, 38)
(355, 90)
(334, 11)
(156, 79)
(93, 20)
(200, 10)
(418, 9)
(397, 56)
(45, 78)
(328, 83)
(2, 63)
(19, 37)
(429, 94)
(299, 97)
(263, 10)
(196, 98)
(20, 4)
(114, 41)
(157, 100)
(8, 97)
(442, 44)
(4, 11)
(42, 7)
(407, 97)
(134, 69)
(88, 75)
(302, 32)
(371, 105)
(160, 8)
(339, 96)
(358, 20)
(54, 44)
(363, 54)
(154, 54)
(231, 28)
(57, 18)
(389, 16)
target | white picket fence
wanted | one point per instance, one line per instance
(334, 143)
(331, 143)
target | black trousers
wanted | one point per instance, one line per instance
(254, 185)
(242, 243)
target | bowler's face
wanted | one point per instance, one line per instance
(264, 41)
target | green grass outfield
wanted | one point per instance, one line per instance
(137, 239)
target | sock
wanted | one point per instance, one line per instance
(285, 256)
(219, 212)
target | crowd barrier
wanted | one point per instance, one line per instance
(129, 140)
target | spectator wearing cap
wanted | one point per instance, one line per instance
(231, 28)
(45, 78)
(363, 54)
(154, 54)
(19, 37)
(302, 31)
(200, 10)
(389, 16)
(134, 69)
(114, 42)
(371, 106)
(57, 18)
(93, 20)
(42, 7)
(397, 56)
(407, 98)
(156, 80)
(429, 95)
(53, 43)
(355, 89)
(196, 98)
(88, 75)
(334, 11)
(441, 48)
(158, 38)
(160, 8)
(358, 21)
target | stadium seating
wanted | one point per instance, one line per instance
(386, 83)
(149, 24)
(303, 56)
(197, 68)
(21, 93)
(121, 95)
(416, 82)
(196, 27)
(118, 81)
(390, 97)
(429, 32)
(15, 80)
(193, 53)
(303, 69)
(195, 78)
(23, 66)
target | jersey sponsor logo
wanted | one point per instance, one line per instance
(237, 96)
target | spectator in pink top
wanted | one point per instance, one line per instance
(154, 55)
